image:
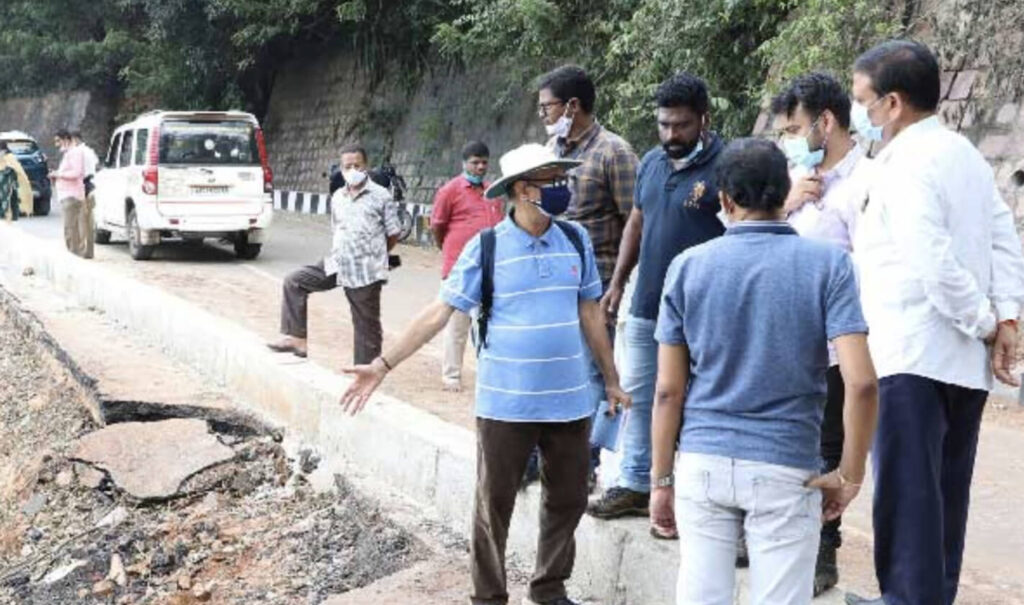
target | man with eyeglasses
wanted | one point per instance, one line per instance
(812, 123)
(531, 383)
(602, 186)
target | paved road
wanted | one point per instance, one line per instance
(294, 241)
(248, 292)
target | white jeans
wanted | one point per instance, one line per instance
(455, 335)
(718, 498)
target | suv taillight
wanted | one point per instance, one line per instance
(150, 180)
(150, 176)
(268, 175)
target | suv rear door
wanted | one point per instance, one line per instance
(209, 167)
(111, 181)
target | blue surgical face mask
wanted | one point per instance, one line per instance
(554, 199)
(861, 122)
(474, 179)
(798, 152)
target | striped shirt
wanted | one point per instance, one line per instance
(533, 368)
(361, 225)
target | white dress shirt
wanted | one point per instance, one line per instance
(91, 160)
(833, 218)
(938, 256)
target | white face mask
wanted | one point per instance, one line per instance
(353, 177)
(723, 217)
(560, 128)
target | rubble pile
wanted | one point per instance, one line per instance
(166, 513)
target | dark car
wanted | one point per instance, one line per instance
(33, 160)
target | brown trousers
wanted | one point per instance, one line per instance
(502, 451)
(367, 334)
(79, 235)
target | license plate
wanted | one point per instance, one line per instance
(209, 189)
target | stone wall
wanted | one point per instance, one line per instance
(995, 125)
(320, 104)
(993, 121)
(41, 117)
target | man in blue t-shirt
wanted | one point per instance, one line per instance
(675, 207)
(743, 332)
(533, 381)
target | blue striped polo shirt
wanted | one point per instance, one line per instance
(533, 368)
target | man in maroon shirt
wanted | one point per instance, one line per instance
(460, 212)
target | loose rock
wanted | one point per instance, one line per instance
(117, 574)
(103, 588)
(34, 504)
(150, 460)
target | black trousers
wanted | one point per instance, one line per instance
(832, 436)
(367, 333)
(923, 460)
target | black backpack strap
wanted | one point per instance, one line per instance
(488, 241)
(576, 239)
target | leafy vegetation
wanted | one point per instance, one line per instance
(226, 53)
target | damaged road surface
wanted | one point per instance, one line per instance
(179, 510)
(151, 460)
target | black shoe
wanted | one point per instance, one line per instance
(558, 601)
(852, 599)
(620, 502)
(826, 572)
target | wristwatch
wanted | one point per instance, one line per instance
(667, 481)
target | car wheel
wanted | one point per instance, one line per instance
(137, 250)
(102, 236)
(246, 251)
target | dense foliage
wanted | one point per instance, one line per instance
(225, 53)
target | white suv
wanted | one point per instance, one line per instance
(185, 175)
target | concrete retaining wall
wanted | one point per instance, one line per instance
(415, 453)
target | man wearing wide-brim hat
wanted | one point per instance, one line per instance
(532, 380)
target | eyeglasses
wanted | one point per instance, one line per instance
(542, 108)
(547, 183)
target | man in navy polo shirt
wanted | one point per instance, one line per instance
(676, 203)
(532, 386)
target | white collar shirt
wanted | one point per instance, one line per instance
(833, 218)
(939, 258)
(361, 223)
(90, 158)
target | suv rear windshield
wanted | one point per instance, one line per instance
(22, 147)
(228, 143)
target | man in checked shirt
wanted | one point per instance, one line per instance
(602, 186)
(364, 221)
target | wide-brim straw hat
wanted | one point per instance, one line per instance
(523, 160)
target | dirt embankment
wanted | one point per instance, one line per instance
(248, 530)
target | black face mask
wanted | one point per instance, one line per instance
(677, 150)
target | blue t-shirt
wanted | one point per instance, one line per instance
(680, 208)
(756, 309)
(533, 368)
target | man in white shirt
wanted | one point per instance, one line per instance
(90, 161)
(942, 281)
(812, 123)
